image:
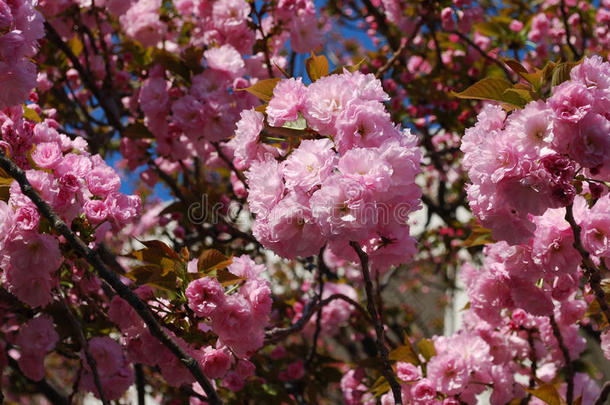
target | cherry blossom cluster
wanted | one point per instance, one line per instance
(237, 317)
(21, 26)
(79, 186)
(524, 164)
(352, 179)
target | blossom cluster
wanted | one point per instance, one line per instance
(237, 317)
(77, 185)
(21, 26)
(352, 179)
(524, 164)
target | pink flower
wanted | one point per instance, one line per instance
(515, 25)
(142, 22)
(286, 103)
(215, 362)
(596, 228)
(35, 339)
(265, 184)
(153, 97)
(27, 218)
(407, 372)
(571, 101)
(591, 145)
(309, 165)
(447, 19)
(325, 100)
(47, 155)
(364, 123)
(225, 59)
(102, 180)
(245, 141)
(17, 79)
(423, 392)
(244, 266)
(29, 261)
(113, 368)
(233, 381)
(449, 373)
(294, 371)
(204, 296)
(96, 211)
(123, 208)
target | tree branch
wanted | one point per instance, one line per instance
(591, 271)
(569, 368)
(387, 371)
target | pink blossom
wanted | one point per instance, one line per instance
(596, 228)
(96, 211)
(102, 180)
(204, 296)
(265, 184)
(215, 362)
(246, 140)
(47, 155)
(309, 165)
(141, 22)
(17, 80)
(294, 371)
(113, 368)
(287, 101)
(35, 339)
(225, 59)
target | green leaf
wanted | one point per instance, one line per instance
(263, 89)
(490, 28)
(299, 124)
(518, 97)
(380, 387)
(404, 353)
(137, 130)
(489, 88)
(548, 393)
(316, 66)
(31, 115)
(561, 73)
(426, 348)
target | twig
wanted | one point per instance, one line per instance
(109, 276)
(228, 162)
(485, 54)
(591, 271)
(310, 308)
(533, 365)
(387, 371)
(83, 342)
(398, 52)
(603, 395)
(140, 384)
(566, 354)
(566, 25)
(316, 333)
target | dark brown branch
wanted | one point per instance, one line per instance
(228, 162)
(387, 371)
(569, 368)
(591, 271)
(566, 25)
(85, 345)
(485, 54)
(603, 395)
(111, 109)
(109, 276)
(403, 46)
(276, 334)
(140, 384)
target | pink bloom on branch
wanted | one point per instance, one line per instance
(35, 339)
(204, 296)
(47, 155)
(215, 362)
(286, 103)
(114, 370)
